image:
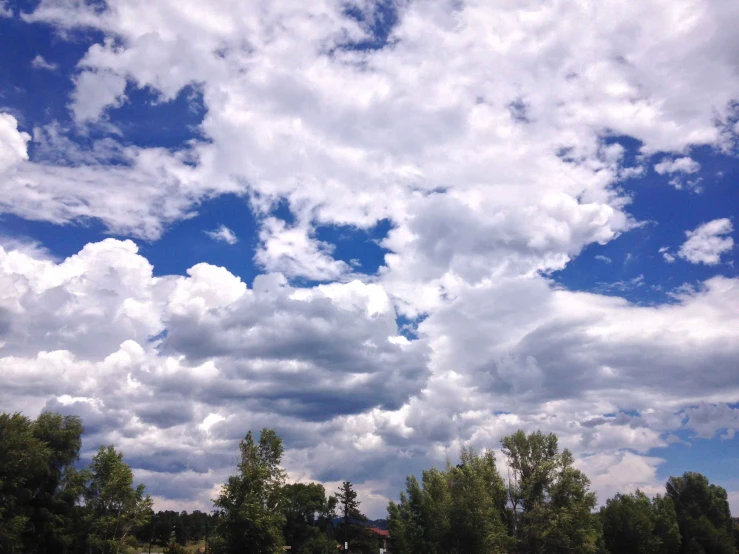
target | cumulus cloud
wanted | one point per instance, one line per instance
(95, 92)
(707, 419)
(223, 234)
(293, 251)
(174, 369)
(13, 143)
(354, 136)
(708, 242)
(138, 355)
(677, 165)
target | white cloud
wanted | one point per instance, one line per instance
(707, 419)
(95, 92)
(667, 255)
(40, 63)
(223, 234)
(481, 203)
(293, 251)
(13, 143)
(708, 242)
(5, 10)
(604, 259)
(354, 137)
(678, 165)
(325, 367)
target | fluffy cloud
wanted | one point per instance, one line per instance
(308, 105)
(169, 361)
(133, 191)
(223, 234)
(708, 242)
(678, 165)
(13, 143)
(293, 251)
(175, 369)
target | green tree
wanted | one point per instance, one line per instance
(308, 518)
(249, 505)
(39, 486)
(22, 457)
(456, 511)
(633, 523)
(57, 490)
(114, 508)
(702, 514)
(550, 502)
(666, 525)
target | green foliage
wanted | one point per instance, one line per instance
(113, 507)
(174, 548)
(703, 514)
(54, 505)
(22, 457)
(632, 523)
(456, 511)
(39, 485)
(49, 507)
(250, 503)
(308, 518)
(550, 502)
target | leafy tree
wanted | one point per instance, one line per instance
(250, 503)
(477, 502)
(22, 457)
(456, 511)
(40, 487)
(666, 525)
(308, 518)
(54, 506)
(174, 548)
(632, 523)
(114, 508)
(550, 502)
(703, 514)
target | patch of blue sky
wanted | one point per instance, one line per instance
(187, 243)
(378, 19)
(717, 457)
(632, 265)
(35, 95)
(360, 248)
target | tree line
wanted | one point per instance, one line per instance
(49, 505)
(543, 505)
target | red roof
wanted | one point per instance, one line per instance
(380, 532)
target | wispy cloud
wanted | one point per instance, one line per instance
(223, 234)
(40, 63)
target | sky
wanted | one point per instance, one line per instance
(384, 229)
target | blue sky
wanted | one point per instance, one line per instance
(386, 229)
